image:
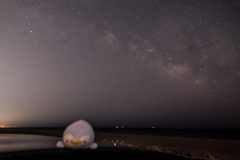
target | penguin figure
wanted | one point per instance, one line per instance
(78, 135)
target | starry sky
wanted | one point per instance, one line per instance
(130, 63)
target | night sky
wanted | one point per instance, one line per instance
(126, 63)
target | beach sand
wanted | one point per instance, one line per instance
(194, 148)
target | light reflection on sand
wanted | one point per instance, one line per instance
(23, 142)
(114, 143)
(19, 142)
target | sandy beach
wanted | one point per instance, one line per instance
(195, 148)
(190, 147)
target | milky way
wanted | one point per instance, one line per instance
(120, 63)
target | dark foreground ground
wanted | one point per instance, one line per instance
(193, 144)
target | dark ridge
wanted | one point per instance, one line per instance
(224, 134)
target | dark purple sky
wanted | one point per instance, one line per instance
(131, 63)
